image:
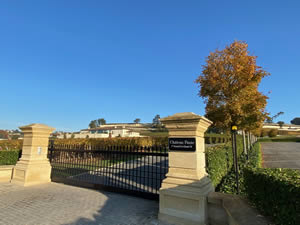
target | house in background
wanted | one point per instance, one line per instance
(284, 127)
(104, 131)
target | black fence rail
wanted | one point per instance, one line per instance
(134, 170)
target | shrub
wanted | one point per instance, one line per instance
(275, 192)
(219, 161)
(118, 141)
(11, 144)
(264, 133)
(9, 157)
(273, 133)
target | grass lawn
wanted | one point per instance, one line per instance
(280, 139)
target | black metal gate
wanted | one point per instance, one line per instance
(134, 170)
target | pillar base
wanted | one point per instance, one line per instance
(31, 172)
(184, 202)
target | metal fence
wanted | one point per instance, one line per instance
(134, 170)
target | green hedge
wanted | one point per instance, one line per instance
(11, 144)
(219, 161)
(9, 157)
(216, 138)
(275, 192)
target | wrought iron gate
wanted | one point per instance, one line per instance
(134, 170)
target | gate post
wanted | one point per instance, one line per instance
(183, 195)
(34, 166)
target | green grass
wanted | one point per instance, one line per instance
(280, 139)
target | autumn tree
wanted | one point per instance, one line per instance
(229, 86)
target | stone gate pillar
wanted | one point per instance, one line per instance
(183, 195)
(34, 166)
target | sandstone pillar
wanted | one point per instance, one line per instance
(183, 195)
(34, 166)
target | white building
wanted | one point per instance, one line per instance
(285, 127)
(102, 132)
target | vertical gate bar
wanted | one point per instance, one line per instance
(126, 166)
(152, 173)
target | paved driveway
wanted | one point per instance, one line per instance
(54, 204)
(281, 155)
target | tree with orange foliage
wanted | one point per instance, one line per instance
(229, 85)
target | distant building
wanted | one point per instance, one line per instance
(105, 131)
(285, 127)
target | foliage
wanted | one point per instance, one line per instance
(229, 85)
(275, 192)
(228, 184)
(273, 133)
(216, 138)
(8, 157)
(219, 161)
(263, 133)
(137, 120)
(118, 141)
(97, 123)
(296, 121)
(156, 120)
(11, 144)
(280, 123)
(270, 119)
(3, 134)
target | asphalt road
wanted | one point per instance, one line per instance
(281, 155)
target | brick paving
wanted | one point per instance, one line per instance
(55, 203)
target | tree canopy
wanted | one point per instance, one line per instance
(97, 123)
(137, 120)
(296, 121)
(229, 86)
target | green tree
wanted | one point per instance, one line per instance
(93, 124)
(296, 121)
(229, 86)
(156, 120)
(137, 120)
(101, 121)
(271, 119)
(280, 123)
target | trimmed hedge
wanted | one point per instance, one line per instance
(11, 144)
(9, 157)
(216, 138)
(275, 192)
(219, 161)
(105, 142)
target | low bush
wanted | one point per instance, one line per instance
(273, 133)
(275, 192)
(9, 157)
(219, 161)
(104, 142)
(11, 144)
(216, 138)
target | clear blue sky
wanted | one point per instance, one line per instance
(65, 63)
